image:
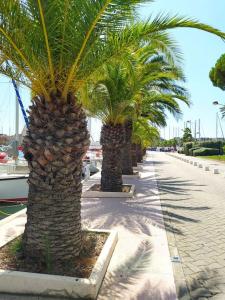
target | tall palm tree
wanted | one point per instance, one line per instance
(153, 78)
(143, 136)
(115, 99)
(111, 102)
(53, 47)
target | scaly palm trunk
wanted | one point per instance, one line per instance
(126, 151)
(134, 154)
(144, 151)
(112, 141)
(54, 146)
(139, 153)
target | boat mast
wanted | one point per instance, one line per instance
(17, 121)
(16, 128)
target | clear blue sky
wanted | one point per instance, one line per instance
(200, 52)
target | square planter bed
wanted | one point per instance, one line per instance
(138, 168)
(136, 174)
(27, 283)
(94, 192)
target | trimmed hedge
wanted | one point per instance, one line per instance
(206, 152)
(212, 144)
(188, 146)
(192, 150)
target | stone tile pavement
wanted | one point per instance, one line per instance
(193, 203)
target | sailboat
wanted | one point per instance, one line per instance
(14, 174)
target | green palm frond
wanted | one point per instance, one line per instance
(59, 44)
(144, 133)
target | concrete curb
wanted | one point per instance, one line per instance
(136, 174)
(99, 194)
(12, 217)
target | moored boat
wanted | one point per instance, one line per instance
(13, 188)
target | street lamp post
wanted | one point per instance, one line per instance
(218, 119)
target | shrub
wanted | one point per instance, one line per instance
(181, 150)
(192, 149)
(187, 146)
(206, 152)
(212, 144)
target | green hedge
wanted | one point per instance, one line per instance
(212, 144)
(192, 150)
(188, 146)
(206, 152)
(181, 151)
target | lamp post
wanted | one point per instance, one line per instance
(216, 103)
(189, 121)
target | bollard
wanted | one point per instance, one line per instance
(206, 168)
(200, 166)
(216, 171)
(195, 163)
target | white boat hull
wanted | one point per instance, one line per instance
(13, 188)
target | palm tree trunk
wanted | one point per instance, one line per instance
(144, 151)
(112, 141)
(139, 153)
(126, 151)
(56, 141)
(134, 154)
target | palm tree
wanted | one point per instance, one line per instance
(111, 102)
(143, 136)
(154, 91)
(53, 47)
(116, 98)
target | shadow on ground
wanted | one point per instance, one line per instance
(137, 214)
(205, 285)
(122, 281)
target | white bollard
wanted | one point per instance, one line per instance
(216, 171)
(191, 162)
(200, 166)
(195, 163)
(187, 160)
(206, 168)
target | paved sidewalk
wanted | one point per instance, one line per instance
(193, 202)
(140, 268)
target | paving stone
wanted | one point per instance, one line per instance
(218, 297)
(195, 202)
(200, 292)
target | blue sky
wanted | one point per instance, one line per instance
(200, 52)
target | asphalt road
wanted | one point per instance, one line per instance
(193, 202)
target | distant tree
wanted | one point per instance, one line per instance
(187, 137)
(217, 73)
(169, 143)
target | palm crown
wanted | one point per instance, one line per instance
(148, 87)
(58, 44)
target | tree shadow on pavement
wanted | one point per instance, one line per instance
(174, 185)
(138, 213)
(203, 286)
(121, 282)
